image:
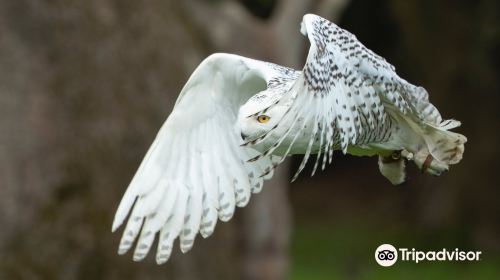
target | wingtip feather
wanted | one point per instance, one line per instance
(116, 225)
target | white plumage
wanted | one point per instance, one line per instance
(237, 118)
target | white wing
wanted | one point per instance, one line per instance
(356, 81)
(195, 171)
(344, 90)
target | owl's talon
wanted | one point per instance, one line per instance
(396, 155)
(407, 155)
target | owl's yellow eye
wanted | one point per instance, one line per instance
(263, 118)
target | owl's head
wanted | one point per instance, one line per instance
(254, 121)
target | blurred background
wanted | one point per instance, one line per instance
(85, 86)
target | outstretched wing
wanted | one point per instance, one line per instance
(195, 171)
(357, 83)
(344, 90)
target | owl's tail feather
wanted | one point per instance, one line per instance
(443, 147)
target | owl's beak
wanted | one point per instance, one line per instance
(244, 136)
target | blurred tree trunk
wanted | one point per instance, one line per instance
(84, 87)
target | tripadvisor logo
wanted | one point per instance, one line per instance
(387, 255)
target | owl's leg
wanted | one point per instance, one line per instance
(434, 147)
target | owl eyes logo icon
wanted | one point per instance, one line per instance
(386, 255)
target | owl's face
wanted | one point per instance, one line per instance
(253, 126)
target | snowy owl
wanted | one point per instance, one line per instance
(237, 118)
